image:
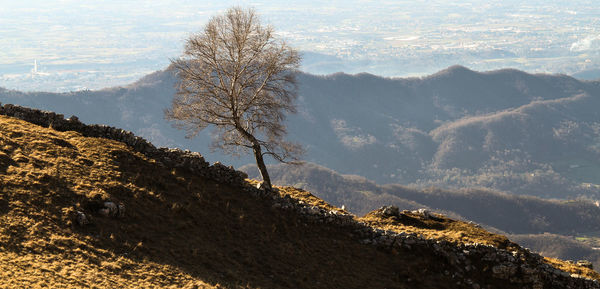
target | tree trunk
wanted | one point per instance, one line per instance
(261, 166)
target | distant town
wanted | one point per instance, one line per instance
(102, 47)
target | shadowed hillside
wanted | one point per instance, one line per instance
(512, 214)
(505, 130)
(175, 228)
(507, 212)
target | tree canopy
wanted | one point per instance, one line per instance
(238, 77)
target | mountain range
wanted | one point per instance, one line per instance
(505, 130)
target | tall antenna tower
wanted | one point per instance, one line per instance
(34, 70)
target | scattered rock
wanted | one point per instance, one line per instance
(504, 271)
(585, 263)
(390, 211)
(425, 213)
(260, 186)
(81, 218)
(121, 210)
(111, 209)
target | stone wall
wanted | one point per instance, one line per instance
(465, 261)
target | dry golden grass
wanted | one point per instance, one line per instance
(440, 228)
(306, 197)
(179, 230)
(46, 175)
(572, 268)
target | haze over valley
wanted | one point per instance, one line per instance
(96, 45)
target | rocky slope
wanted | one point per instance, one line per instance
(93, 206)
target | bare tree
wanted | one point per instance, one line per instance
(238, 77)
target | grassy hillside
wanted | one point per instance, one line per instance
(178, 230)
(183, 231)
